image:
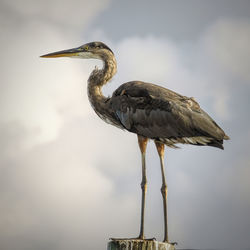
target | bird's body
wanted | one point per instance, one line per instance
(163, 115)
(148, 110)
(152, 111)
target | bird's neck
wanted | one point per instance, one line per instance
(97, 79)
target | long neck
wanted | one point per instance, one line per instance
(97, 79)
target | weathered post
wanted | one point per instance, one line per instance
(138, 245)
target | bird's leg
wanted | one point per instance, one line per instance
(164, 190)
(142, 141)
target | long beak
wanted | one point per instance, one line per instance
(64, 53)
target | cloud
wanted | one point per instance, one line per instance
(226, 42)
(67, 179)
(67, 15)
(51, 191)
(29, 93)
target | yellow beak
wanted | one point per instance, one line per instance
(64, 53)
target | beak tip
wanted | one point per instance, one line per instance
(43, 56)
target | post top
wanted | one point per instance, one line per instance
(137, 244)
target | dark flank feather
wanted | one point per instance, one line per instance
(158, 113)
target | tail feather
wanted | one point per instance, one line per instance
(216, 143)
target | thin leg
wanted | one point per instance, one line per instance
(142, 141)
(164, 189)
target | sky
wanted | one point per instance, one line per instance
(70, 181)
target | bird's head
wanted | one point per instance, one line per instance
(96, 50)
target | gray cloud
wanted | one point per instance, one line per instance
(64, 14)
(59, 198)
(226, 43)
(180, 22)
(67, 178)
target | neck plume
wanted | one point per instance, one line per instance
(97, 79)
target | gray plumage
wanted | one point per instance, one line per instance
(158, 113)
(148, 110)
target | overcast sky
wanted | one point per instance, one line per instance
(70, 181)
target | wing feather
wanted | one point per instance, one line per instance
(156, 112)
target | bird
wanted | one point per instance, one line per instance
(150, 111)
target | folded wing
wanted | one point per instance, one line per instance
(158, 113)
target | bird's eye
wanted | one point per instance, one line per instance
(86, 47)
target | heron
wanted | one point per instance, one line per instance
(150, 111)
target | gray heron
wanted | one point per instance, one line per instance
(148, 110)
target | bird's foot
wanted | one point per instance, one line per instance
(171, 243)
(136, 238)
